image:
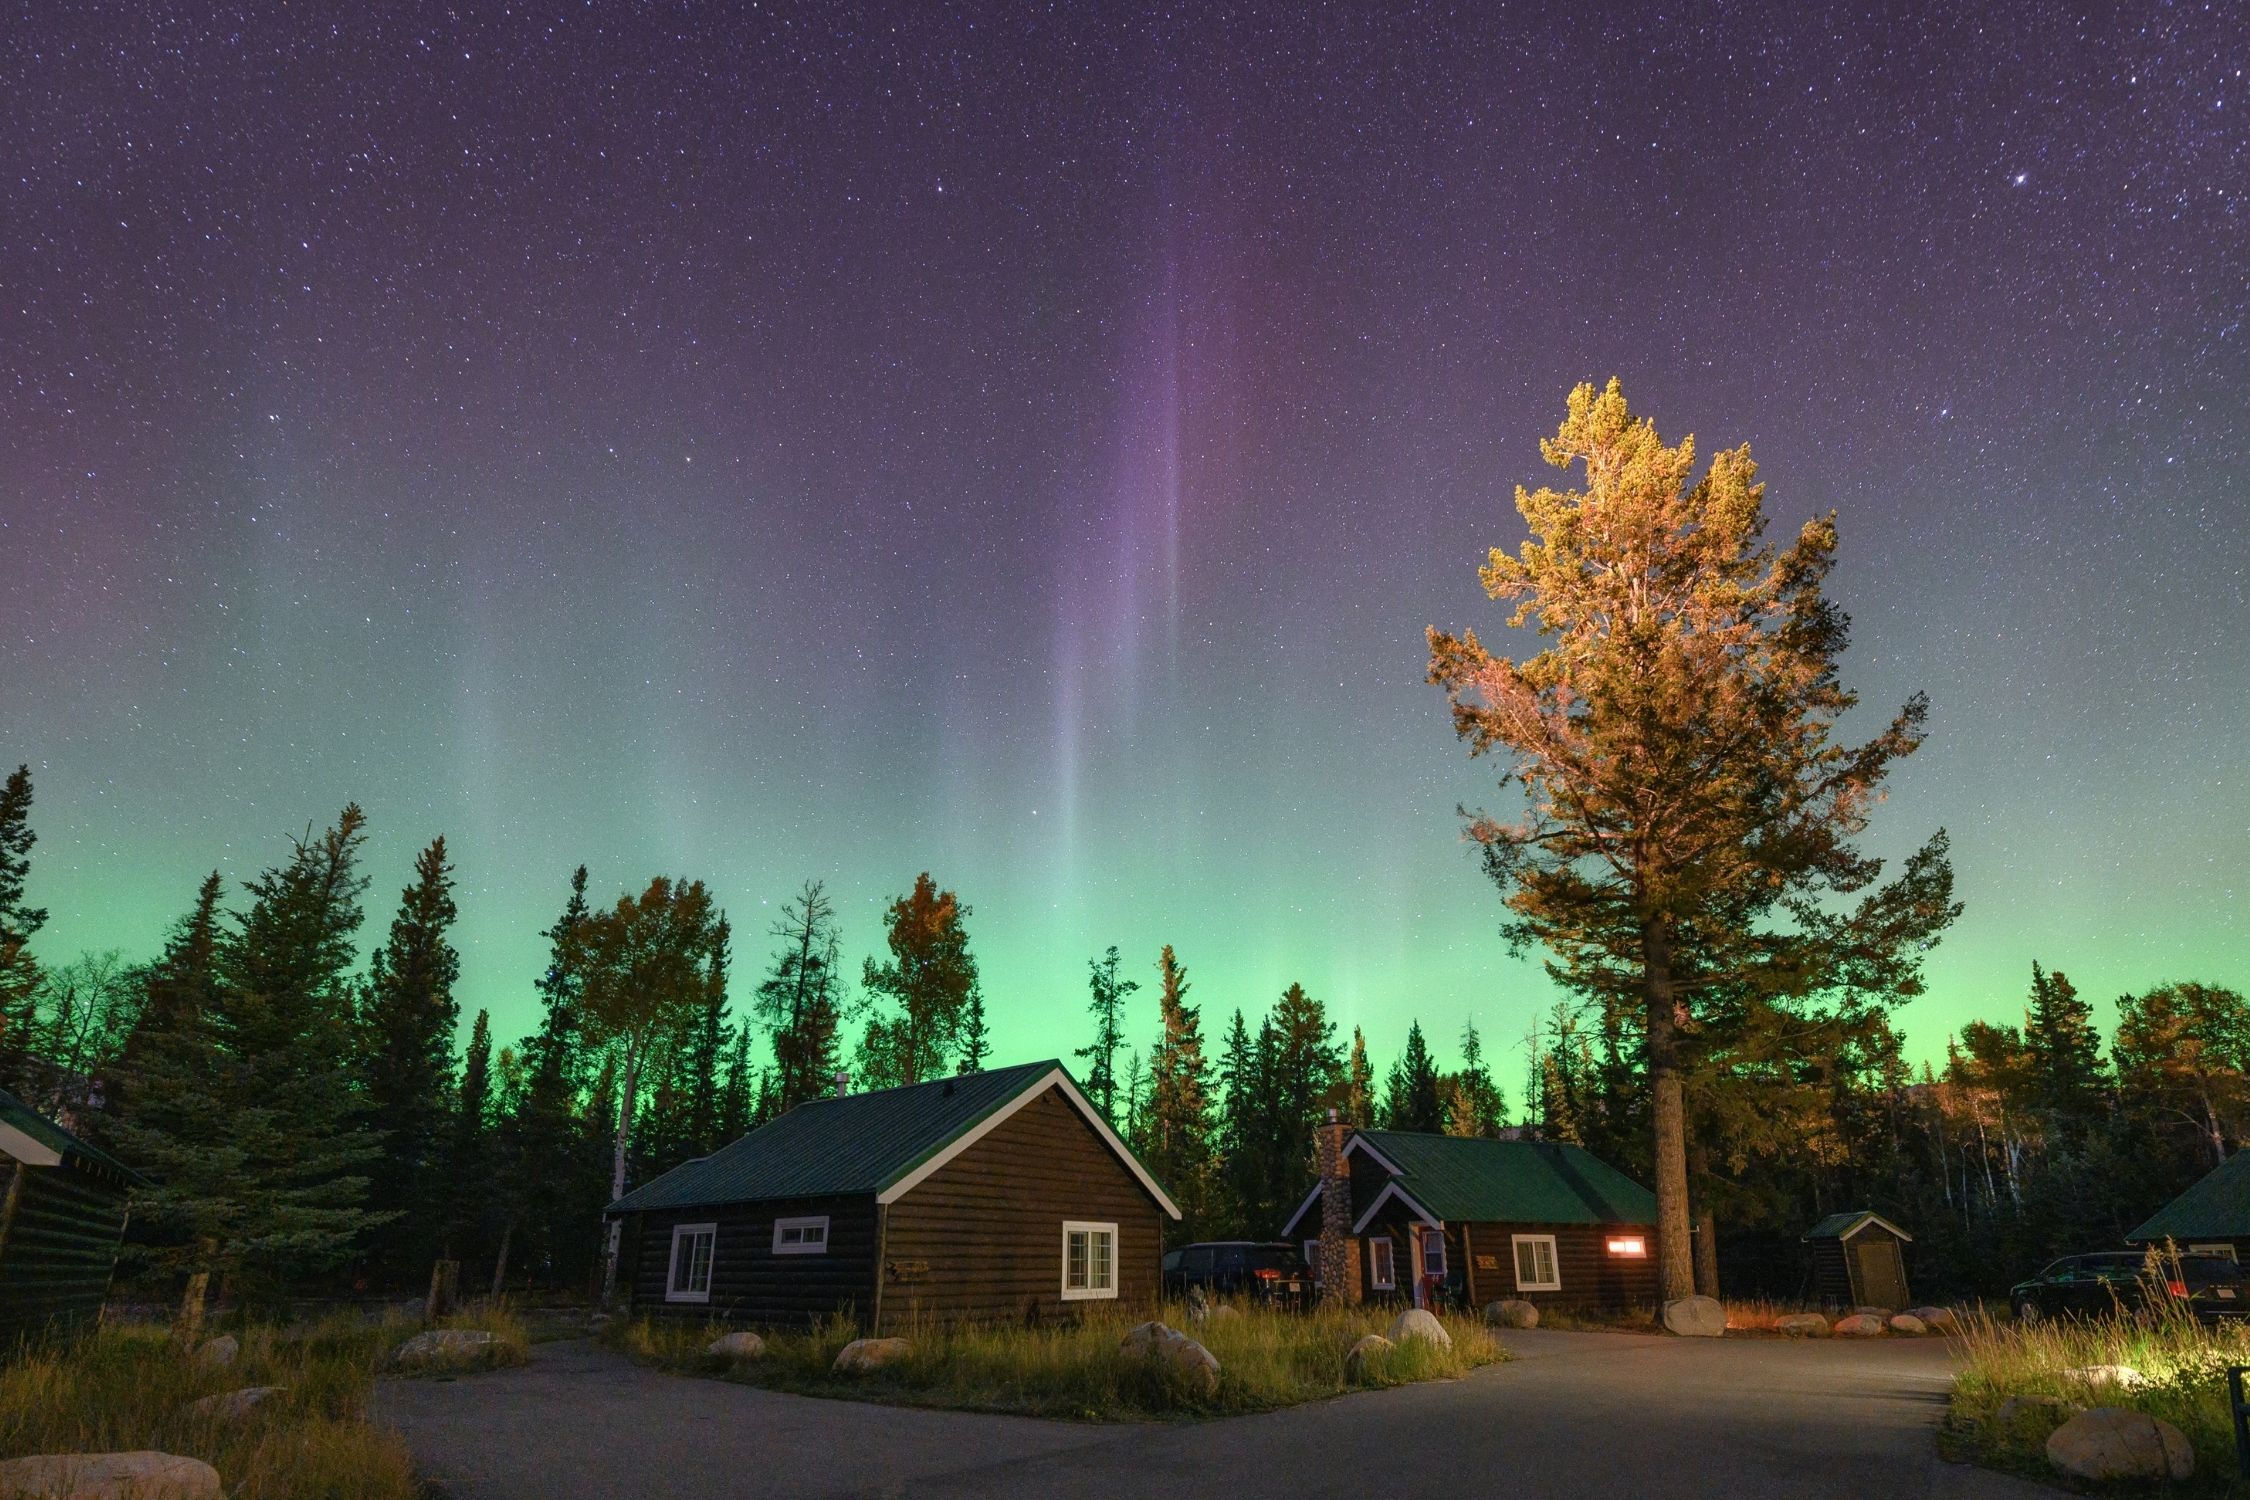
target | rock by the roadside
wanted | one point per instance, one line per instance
(1419, 1323)
(218, 1353)
(1907, 1323)
(2049, 1411)
(1859, 1326)
(1937, 1319)
(1802, 1326)
(2108, 1377)
(862, 1355)
(1874, 1312)
(598, 1322)
(1225, 1314)
(141, 1475)
(1142, 1338)
(2111, 1443)
(1371, 1346)
(233, 1406)
(443, 1346)
(1696, 1317)
(1196, 1365)
(737, 1346)
(1511, 1312)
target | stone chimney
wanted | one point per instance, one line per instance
(1339, 1268)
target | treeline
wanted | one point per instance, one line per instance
(2030, 1141)
(310, 1121)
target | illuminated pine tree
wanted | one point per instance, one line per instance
(923, 988)
(1177, 1136)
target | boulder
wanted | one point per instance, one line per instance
(1696, 1317)
(142, 1475)
(2111, 1443)
(1859, 1326)
(233, 1406)
(1224, 1314)
(1512, 1312)
(598, 1322)
(1193, 1363)
(863, 1355)
(218, 1353)
(1142, 1338)
(1802, 1326)
(2048, 1412)
(2108, 1377)
(1907, 1323)
(1371, 1346)
(737, 1346)
(439, 1347)
(1937, 1319)
(1874, 1312)
(1420, 1323)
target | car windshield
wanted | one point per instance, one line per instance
(1275, 1258)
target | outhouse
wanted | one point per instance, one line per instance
(1859, 1260)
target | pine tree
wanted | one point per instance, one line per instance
(708, 1045)
(800, 1002)
(1304, 1075)
(1474, 1103)
(178, 992)
(1108, 1009)
(929, 983)
(19, 972)
(545, 1221)
(408, 1024)
(1244, 1147)
(2066, 1050)
(1410, 1092)
(1135, 1089)
(1359, 1085)
(467, 1169)
(1178, 1130)
(2183, 1065)
(976, 1043)
(1688, 808)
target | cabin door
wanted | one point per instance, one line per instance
(1878, 1274)
(1429, 1264)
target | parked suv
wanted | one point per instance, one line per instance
(1271, 1271)
(2092, 1286)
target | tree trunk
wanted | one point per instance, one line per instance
(187, 1328)
(500, 1261)
(617, 1169)
(1706, 1255)
(1675, 1270)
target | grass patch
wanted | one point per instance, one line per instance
(1267, 1359)
(129, 1387)
(2184, 1361)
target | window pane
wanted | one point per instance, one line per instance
(1102, 1249)
(1074, 1272)
(701, 1281)
(1527, 1262)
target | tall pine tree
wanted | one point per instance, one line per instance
(1107, 1006)
(19, 973)
(408, 1025)
(800, 1002)
(1410, 1092)
(1177, 1132)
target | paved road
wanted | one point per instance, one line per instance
(1575, 1414)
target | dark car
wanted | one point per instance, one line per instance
(1270, 1271)
(2093, 1286)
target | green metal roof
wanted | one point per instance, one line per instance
(21, 1117)
(1844, 1225)
(859, 1143)
(2216, 1208)
(1461, 1179)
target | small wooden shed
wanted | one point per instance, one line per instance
(1859, 1260)
(62, 1217)
(992, 1196)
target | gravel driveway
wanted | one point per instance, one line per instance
(1575, 1414)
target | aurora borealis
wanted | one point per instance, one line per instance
(755, 443)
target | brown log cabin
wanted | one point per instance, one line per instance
(1433, 1218)
(995, 1196)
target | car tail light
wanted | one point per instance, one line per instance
(2176, 1288)
(1267, 1274)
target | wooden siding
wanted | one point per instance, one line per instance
(750, 1285)
(981, 1238)
(59, 1231)
(1590, 1275)
(1833, 1281)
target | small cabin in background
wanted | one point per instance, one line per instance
(991, 1196)
(1423, 1218)
(2210, 1218)
(1859, 1260)
(62, 1216)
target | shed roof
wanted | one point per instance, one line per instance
(881, 1142)
(2216, 1208)
(1844, 1225)
(1461, 1179)
(31, 1138)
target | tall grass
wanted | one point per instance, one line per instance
(2184, 1362)
(1267, 1359)
(130, 1387)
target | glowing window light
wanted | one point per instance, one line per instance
(1631, 1245)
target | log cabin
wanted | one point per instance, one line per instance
(994, 1196)
(62, 1217)
(1404, 1216)
(2211, 1218)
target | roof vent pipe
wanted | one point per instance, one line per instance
(843, 1081)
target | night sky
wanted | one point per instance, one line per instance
(754, 442)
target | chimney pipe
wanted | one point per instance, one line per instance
(843, 1081)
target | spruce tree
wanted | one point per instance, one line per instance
(2067, 1051)
(408, 1025)
(1688, 808)
(708, 1046)
(1304, 1075)
(800, 1001)
(1178, 1130)
(976, 1040)
(1107, 1006)
(546, 1223)
(1244, 1146)
(1410, 1092)
(465, 1174)
(1359, 1085)
(925, 988)
(19, 972)
(738, 1095)
(1475, 1105)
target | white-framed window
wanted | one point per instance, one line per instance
(2226, 1250)
(1536, 1267)
(1382, 1264)
(805, 1236)
(694, 1247)
(1433, 1253)
(1089, 1261)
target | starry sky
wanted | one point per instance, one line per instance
(1027, 442)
